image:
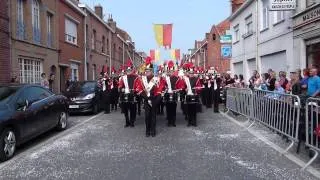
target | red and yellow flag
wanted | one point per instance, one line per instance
(163, 34)
(175, 54)
(155, 55)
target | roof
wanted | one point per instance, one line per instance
(241, 9)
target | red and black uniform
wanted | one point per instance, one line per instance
(191, 108)
(152, 99)
(171, 107)
(114, 93)
(216, 88)
(106, 92)
(162, 88)
(132, 82)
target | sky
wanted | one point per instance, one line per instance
(191, 19)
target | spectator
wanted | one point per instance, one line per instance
(271, 81)
(51, 80)
(258, 81)
(44, 81)
(229, 80)
(241, 81)
(299, 74)
(236, 78)
(283, 79)
(294, 85)
(304, 80)
(253, 79)
(265, 77)
(313, 83)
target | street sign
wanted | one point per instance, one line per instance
(283, 5)
(226, 51)
(226, 39)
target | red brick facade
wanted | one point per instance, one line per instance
(4, 43)
(69, 53)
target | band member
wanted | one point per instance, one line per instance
(207, 91)
(162, 80)
(106, 89)
(193, 88)
(171, 84)
(150, 89)
(128, 83)
(216, 88)
(114, 89)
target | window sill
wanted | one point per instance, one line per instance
(279, 22)
(264, 30)
(71, 44)
(245, 36)
(236, 42)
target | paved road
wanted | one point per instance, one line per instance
(100, 148)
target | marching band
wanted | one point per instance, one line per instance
(190, 85)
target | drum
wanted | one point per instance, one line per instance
(128, 98)
(170, 98)
(192, 99)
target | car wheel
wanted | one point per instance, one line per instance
(7, 144)
(95, 109)
(63, 121)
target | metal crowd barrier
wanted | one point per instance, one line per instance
(279, 112)
(239, 101)
(312, 127)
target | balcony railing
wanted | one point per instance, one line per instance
(36, 35)
(21, 30)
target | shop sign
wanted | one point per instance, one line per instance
(226, 51)
(226, 39)
(282, 5)
(307, 17)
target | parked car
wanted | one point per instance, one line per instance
(27, 111)
(84, 97)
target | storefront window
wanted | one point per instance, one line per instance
(313, 54)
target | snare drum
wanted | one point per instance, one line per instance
(192, 99)
(170, 98)
(128, 98)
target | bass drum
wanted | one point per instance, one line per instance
(192, 99)
(128, 98)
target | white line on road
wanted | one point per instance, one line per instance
(290, 156)
(48, 141)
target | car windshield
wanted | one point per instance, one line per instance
(82, 87)
(7, 92)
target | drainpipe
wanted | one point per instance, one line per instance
(257, 37)
(85, 50)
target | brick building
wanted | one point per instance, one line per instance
(72, 59)
(34, 36)
(4, 43)
(98, 40)
(207, 52)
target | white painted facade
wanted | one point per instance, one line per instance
(272, 46)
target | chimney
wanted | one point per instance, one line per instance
(236, 4)
(99, 11)
(112, 23)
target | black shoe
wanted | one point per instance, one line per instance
(174, 125)
(127, 125)
(153, 134)
(131, 125)
(147, 134)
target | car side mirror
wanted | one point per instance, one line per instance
(23, 105)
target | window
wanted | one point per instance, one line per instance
(74, 72)
(36, 20)
(108, 51)
(249, 24)
(49, 30)
(71, 31)
(265, 15)
(103, 49)
(236, 33)
(20, 20)
(30, 71)
(278, 16)
(93, 39)
(34, 94)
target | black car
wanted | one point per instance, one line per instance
(84, 97)
(27, 111)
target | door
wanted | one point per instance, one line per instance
(37, 115)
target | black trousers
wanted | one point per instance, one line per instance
(161, 107)
(139, 104)
(106, 101)
(192, 114)
(114, 98)
(132, 109)
(151, 114)
(216, 100)
(171, 109)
